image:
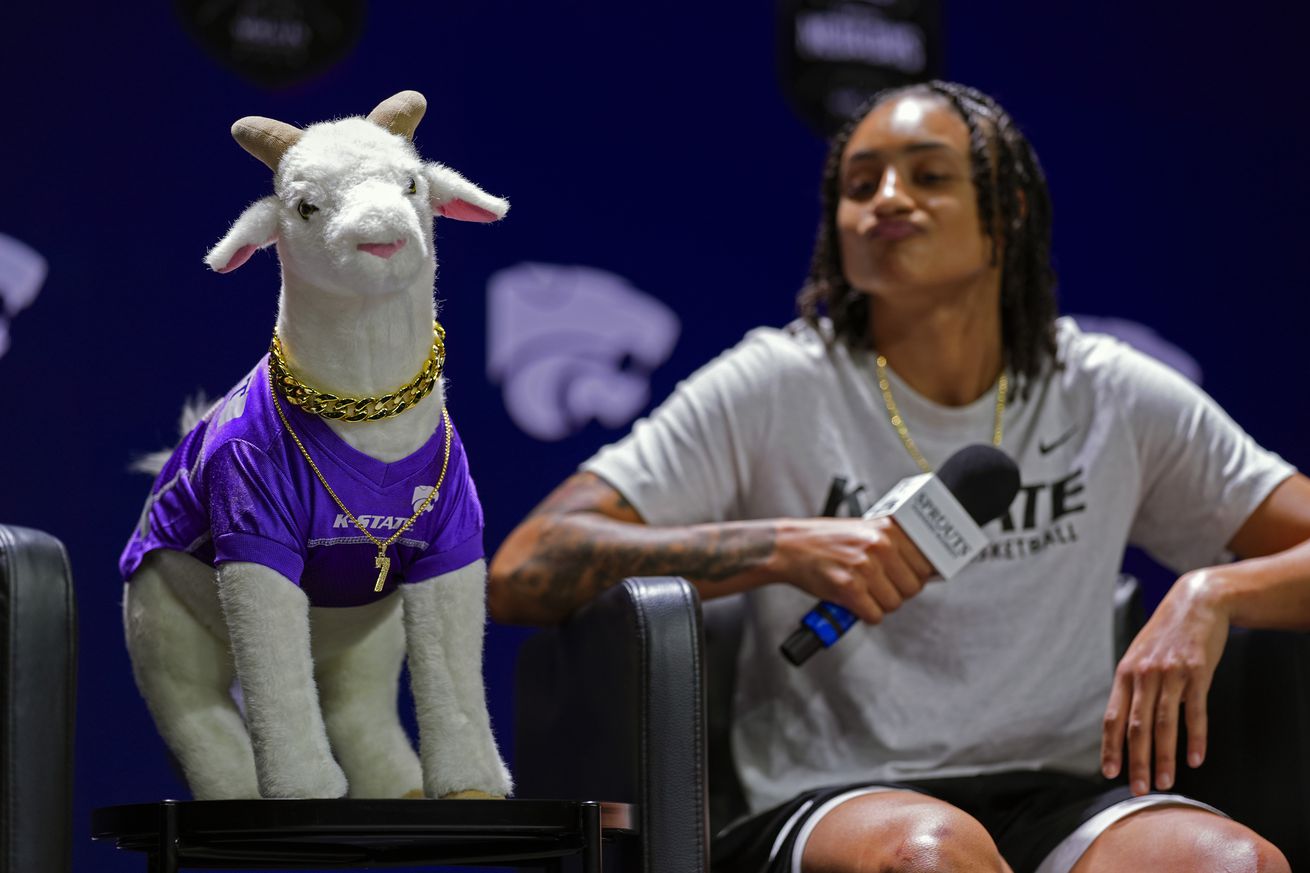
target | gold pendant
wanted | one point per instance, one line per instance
(383, 563)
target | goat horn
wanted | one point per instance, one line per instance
(401, 113)
(266, 138)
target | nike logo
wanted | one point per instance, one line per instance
(1047, 448)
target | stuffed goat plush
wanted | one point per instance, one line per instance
(332, 493)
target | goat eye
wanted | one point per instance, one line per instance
(306, 209)
(413, 186)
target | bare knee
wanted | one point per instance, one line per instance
(1271, 859)
(899, 832)
(1247, 847)
(1182, 839)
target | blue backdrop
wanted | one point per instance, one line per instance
(648, 141)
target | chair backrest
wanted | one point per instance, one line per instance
(38, 633)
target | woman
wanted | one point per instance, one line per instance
(966, 730)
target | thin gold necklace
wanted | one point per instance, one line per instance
(328, 405)
(381, 562)
(1002, 384)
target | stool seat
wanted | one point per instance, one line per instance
(357, 833)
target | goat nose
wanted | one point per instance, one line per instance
(382, 250)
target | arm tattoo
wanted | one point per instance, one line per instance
(595, 539)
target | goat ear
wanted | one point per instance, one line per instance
(455, 197)
(256, 228)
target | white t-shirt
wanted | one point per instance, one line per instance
(1008, 665)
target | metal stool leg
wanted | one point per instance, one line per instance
(164, 860)
(591, 837)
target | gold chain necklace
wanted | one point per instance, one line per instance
(381, 562)
(1002, 384)
(326, 405)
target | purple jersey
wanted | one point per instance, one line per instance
(238, 489)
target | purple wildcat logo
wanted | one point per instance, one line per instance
(22, 272)
(572, 344)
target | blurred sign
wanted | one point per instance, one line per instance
(833, 54)
(22, 273)
(573, 344)
(274, 43)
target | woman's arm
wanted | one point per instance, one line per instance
(1170, 664)
(585, 537)
(1271, 588)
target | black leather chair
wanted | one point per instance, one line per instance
(611, 706)
(1257, 766)
(624, 701)
(38, 627)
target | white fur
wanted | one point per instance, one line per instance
(348, 319)
(358, 654)
(445, 185)
(257, 227)
(320, 685)
(267, 619)
(444, 622)
(184, 671)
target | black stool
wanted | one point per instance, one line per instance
(361, 833)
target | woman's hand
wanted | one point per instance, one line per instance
(1169, 666)
(868, 566)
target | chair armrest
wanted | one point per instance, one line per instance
(610, 706)
(38, 632)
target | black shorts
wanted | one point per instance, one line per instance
(1027, 814)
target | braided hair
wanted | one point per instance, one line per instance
(1014, 207)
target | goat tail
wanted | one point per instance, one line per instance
(194, 411)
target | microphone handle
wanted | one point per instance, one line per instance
(820, 628)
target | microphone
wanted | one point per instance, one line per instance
(942, 515)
